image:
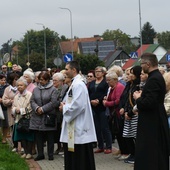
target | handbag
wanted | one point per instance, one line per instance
(50, 120)
(114, 122)
(23, 125)
(24, 122)
(1, 113)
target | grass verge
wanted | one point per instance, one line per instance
(10, 160)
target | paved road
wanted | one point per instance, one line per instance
(103, 162)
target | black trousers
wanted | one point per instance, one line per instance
(81, 159)
(27, 145)
(40, 138)
(121, 140)
(131, 145)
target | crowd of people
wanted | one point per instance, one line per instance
(84, 115)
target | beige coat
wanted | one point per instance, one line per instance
(21, 101)
(7, 100)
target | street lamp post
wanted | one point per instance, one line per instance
(45, 55)
(17, 49)
(140, 28)
(71, 28)
(28, 54)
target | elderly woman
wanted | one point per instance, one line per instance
(36, 80)
(21, 108)
(118, 70)
(58, 83)
(29, 76)
(8, 99)
(167, 96)
(112, 102)
(3, 123)
(43, 103)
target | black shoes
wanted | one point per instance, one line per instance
(38, 158)
(130, 159)
(51, 158)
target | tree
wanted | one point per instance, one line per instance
(120, 39)
(88, 62)
(63, 38)
(34, 41)
(148, 34)
(164, 39)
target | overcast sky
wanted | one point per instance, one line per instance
(89, 17)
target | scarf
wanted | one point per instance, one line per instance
(14, 89)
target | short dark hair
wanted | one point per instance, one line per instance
(11, 77)
(2, 76)
(44, 75)
(91, 71)
(151, 58)
(74, 64)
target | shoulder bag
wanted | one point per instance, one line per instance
(24, 122)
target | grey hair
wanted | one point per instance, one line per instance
(112, 75)
(103, 69)
(23, 80)
(117, 69)
(37, 73)
(60, 76)
(30, 74)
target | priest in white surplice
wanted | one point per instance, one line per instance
(78, 131)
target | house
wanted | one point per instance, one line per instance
(116, 57)
(135, 41)
(164, 62)
(100, 48)
(156, 49)
(93, 45)
(66, 46)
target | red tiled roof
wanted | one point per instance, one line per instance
(66, 45)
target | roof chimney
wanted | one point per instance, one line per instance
(155, 40)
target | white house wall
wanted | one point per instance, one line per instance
(160, 52)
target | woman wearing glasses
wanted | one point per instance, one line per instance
(90, 77)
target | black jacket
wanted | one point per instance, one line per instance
(152, 143)
(98, 93)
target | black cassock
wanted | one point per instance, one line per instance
(152, 144)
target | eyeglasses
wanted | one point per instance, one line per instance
(56, 80)
(98, 71)
(90, 76)
(143, 63)
(4, 67)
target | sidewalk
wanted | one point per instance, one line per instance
(103, 161)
